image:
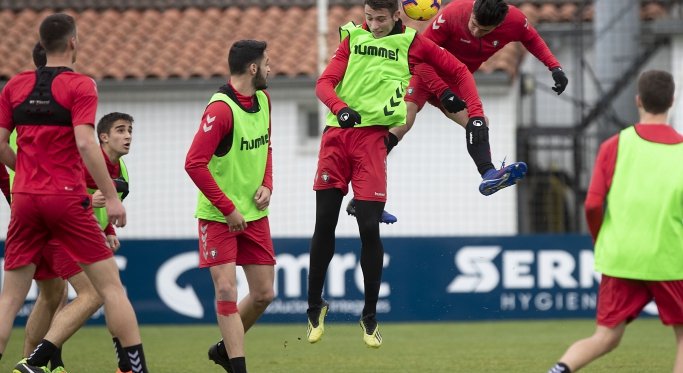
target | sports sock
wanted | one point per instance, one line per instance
(327, 206)
(56, 359)
(315, 290)
(136, 358)
(481, 155)
(560, 368)
(221, 349)
(41, 355)
(239, 364)
(124, 364)
(371, 297)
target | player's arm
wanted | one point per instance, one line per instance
(7, 155)
(600, 184)
(262, 196)
(201, 151)
(533, 42)
(444, 63)
(4, 183)
(331, 76)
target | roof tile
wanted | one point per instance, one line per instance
(131, 39)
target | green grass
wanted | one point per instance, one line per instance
(506, 346)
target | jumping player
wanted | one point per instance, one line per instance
(364, 86)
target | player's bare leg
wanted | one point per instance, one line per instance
(121, 319)
(261, 293)
(50, 297)
(76, 313)
(678, 365)
(229, 320)
(586, 350)
(15, 287)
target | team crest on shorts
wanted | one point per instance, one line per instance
(325, 177)
(495, 43)
(410, 91)
(214, 253)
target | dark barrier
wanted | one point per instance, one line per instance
(444, 278)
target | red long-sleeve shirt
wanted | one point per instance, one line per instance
(450, 31)
(604, 169)
(422, 50)
(205, 143)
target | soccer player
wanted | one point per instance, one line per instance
(53, 112)
(230, 161)
(473, 31)
(364, 86)
(638, 175)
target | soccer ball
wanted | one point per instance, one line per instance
(421, 10)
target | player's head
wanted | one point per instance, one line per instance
(655, 91)
(381, 16)
(39, 57)
(115, 132)
(486, 16)
(58, 35)
(249, 58)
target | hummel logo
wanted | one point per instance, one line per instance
(345, 117)
(435, 26)
(208, 128)
(477, 123)
(203, 228)
(204, 237)
(209, 119)
(464, 41)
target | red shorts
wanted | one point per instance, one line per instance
(37, 218)
(356, 155)
(621, 299)
(217, 245)
(418, 92)
(55, 262)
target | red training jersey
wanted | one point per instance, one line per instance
(422, 50)
(604, 169)
(48, 161)
(205, 143)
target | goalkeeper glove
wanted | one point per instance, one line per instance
(476, 131)
(390, 142)
(348, 117)
(451, 101)
(560, 79)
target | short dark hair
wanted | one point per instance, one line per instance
(656, 91)
(490, 12)
(107, 121)
(243, 53)
(55, 32)
(392, 5)
(39, 56)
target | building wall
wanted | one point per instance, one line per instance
(432, 180)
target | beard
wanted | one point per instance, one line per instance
(259, 81)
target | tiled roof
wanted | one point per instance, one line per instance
(194, 42)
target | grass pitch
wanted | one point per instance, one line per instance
(509, 346)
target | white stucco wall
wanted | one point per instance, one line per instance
(432, 180)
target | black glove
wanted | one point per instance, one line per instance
(476, 131)
(121, 187)
(9, 199)
(560, 79)
(390, 142)
(452, 102)
(348, 117)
